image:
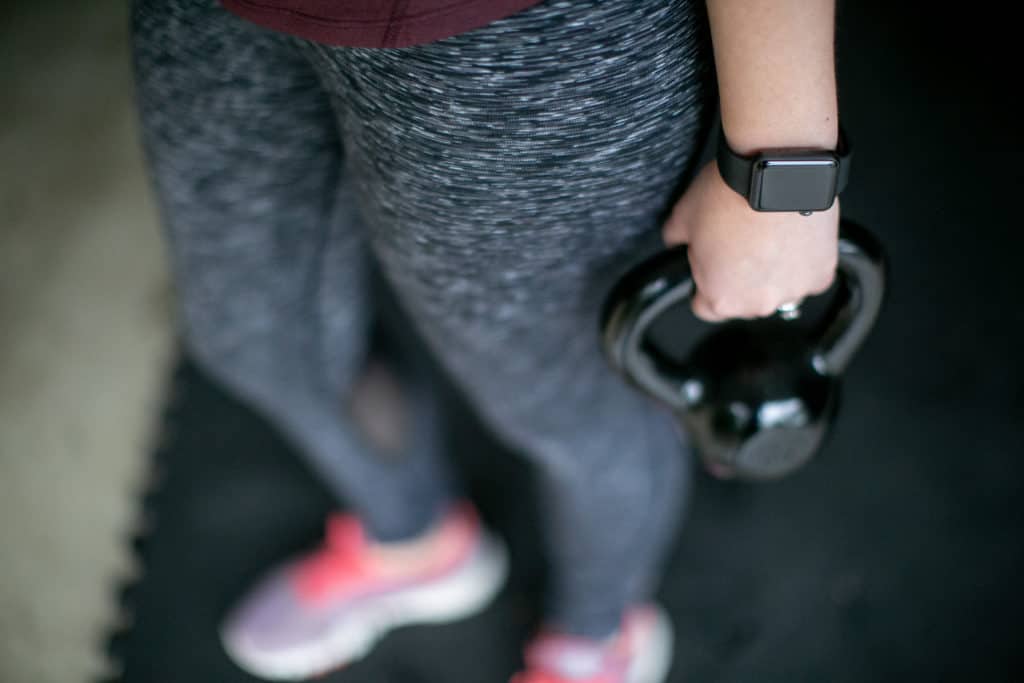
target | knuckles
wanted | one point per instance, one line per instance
(730, 302)
(740, 308)
(823, 281)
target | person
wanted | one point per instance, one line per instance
(501, 161)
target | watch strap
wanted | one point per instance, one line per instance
(736, 170)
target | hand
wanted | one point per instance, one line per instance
(747, 263)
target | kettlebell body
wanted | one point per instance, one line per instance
(757, 398)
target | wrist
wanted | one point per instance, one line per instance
(750, 137)
(798, 176)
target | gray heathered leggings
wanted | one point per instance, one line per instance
(503, 178)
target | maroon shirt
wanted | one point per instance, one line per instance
(374, 23)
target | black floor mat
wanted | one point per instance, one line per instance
(893, 557)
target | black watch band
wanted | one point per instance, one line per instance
(787, 180)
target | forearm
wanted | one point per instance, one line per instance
(776, 72)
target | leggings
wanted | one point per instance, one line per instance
(501, 179)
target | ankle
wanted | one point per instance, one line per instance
(406, 556)
(437, 546)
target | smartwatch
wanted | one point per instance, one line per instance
(786, 180)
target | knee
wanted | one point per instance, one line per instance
(595, 436)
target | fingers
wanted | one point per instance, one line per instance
(823, 281)
(702, 309)
(745, 305)
(676, 229)
(713, 311)
(742, 295)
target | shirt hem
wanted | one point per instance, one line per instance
(404, 30)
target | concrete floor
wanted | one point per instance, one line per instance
(84, 332)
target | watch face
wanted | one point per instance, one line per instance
(794, 183)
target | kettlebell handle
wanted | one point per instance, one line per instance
(665, 281)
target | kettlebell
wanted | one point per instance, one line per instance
(756, 397)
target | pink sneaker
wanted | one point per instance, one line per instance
(327, 609)
(639, 653)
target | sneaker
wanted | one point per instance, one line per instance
(327, 609)
(639, 653)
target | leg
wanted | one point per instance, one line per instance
(268, 261)
(505, 175)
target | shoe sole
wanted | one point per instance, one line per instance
(653, 664)
(461, 594)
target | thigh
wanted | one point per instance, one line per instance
(243, 148)
(504, 172)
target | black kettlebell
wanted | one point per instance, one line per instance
(756, 397)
